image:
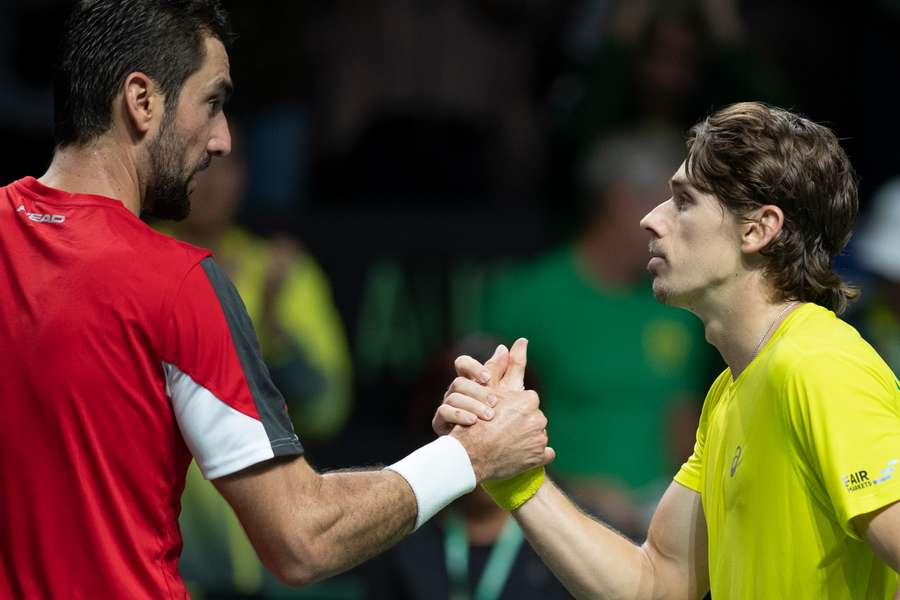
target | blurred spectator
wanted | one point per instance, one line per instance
(430, 98)
(616, 366)
(474, 549)
(661, 64)
(303, 343)
(877, 316)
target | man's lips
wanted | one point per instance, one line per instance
(657, 259)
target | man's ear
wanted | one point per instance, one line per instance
(760, 228)
(142, 102)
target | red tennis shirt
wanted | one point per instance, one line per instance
(122, 353)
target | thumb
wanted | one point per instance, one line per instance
(549, 455)
(496, 365)
(514, 379)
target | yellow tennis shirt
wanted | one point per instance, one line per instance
(805, 439)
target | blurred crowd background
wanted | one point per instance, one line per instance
(414, 179)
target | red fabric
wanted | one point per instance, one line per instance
(197, 313)
(92, 462)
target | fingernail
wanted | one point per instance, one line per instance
(492, 400)
(488, 413)
(484, 376)
(471, 420)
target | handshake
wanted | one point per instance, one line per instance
(499, 423)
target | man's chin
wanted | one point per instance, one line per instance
(663, 293)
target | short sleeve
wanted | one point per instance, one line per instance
(845, 415)
(230, 413)
(690, 474)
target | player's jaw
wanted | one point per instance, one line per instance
(171, 181)
(659, 267)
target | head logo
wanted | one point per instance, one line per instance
(39, 217)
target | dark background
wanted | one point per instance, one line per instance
(414, 146)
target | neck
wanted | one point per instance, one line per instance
(99, 168)
(740, 326)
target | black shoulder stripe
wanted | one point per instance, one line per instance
(269, 401)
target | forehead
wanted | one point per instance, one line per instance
(679, 180)
(214, 72)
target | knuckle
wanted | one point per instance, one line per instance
(458, 383)
(532, 397)
(455, 399)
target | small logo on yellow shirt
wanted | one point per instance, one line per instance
(736, 460)
(860, 480)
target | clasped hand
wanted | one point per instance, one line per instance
(492, 414)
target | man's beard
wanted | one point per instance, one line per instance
(167, 195)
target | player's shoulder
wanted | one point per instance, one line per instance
(162, 252)
(818, 334)
(820, 346)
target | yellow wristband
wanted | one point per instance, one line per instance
(510, 494)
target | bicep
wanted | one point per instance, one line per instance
(881, 530)
(677, 543)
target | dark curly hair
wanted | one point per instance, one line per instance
(105, 40)
(750, 154)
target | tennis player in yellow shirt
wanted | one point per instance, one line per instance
(793, 486)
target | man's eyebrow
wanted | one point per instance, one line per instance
(679, 182)
(223, 87)
(682, 185)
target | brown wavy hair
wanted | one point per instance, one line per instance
(750, 154)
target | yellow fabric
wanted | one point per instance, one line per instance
(510, 494)
(788, 454)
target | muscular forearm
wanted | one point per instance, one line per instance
(590, 559)
(356, 515)
(305, 526)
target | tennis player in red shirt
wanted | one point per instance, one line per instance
(127, 353)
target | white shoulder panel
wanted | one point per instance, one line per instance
(223, 440)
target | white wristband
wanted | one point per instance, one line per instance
(438, 473)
